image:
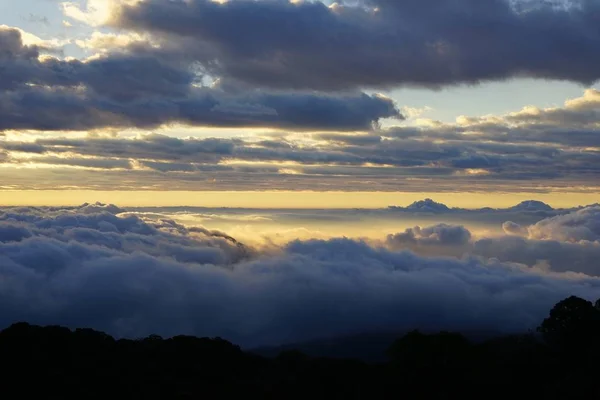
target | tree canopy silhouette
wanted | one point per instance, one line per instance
(572, 323)
(56, 362)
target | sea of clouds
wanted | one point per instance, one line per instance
(130, 275)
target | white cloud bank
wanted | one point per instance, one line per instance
(88, 266)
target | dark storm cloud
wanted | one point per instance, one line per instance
(130, 277)
(138, 89)
(377, 43)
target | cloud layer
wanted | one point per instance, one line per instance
(527, 150)
(91, 266)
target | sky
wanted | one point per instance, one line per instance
(368, 97)
(270, 171)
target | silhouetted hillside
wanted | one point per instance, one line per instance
(559, 363)
(370, 347)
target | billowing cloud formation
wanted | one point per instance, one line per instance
(583, 225)
(375, 43)
(136, 88)
(98, 226)
(442, 234)
(90, 267)
(565, 242)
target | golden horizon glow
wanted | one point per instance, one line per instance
(285, 199)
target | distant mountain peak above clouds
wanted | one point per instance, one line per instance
(432, 206)
(428, 205)
(532, 205)
(91, 208)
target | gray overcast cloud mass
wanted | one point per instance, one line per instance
(144, 90)
(377, 43)
(289, 65)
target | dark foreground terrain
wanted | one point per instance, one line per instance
(560, 361)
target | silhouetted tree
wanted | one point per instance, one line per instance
(574, 323)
